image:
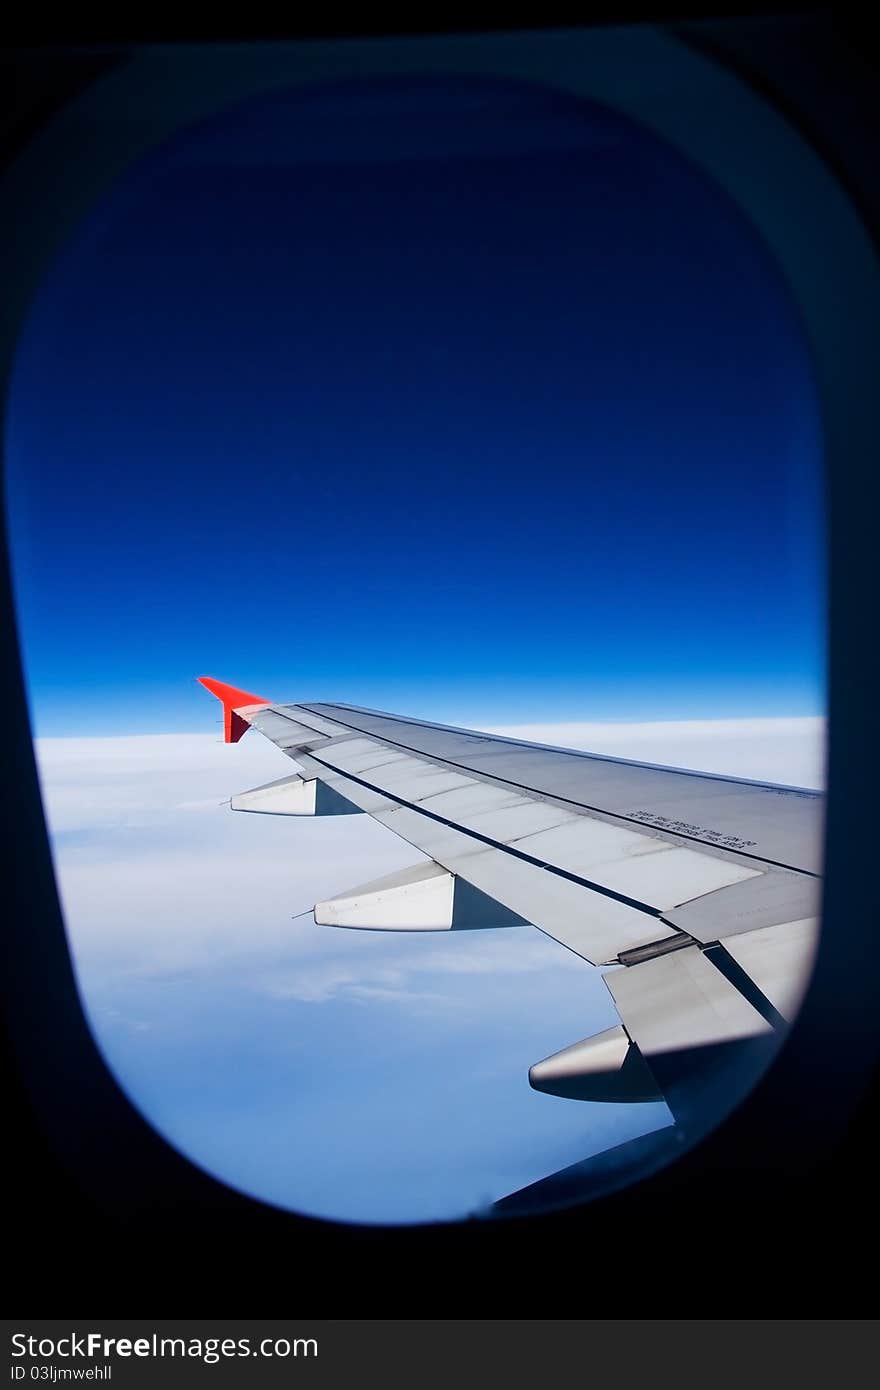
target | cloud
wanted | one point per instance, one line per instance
(377, 983)
(156, 880)
(358, 1075)
(788, 751)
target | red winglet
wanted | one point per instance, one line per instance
(231, 699)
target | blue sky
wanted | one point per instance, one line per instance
(459, 399)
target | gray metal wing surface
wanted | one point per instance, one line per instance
(697, 895)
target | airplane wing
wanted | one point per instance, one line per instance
(697, 895)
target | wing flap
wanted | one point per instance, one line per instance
(681, 1001)
(763, 901)
(779, 959)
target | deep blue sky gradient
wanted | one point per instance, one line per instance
(461, 399)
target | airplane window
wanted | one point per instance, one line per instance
(473, 403)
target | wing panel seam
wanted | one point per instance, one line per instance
(498, 844)
(585, 806)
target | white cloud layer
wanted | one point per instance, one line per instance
(787, 751)
(181, 920)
